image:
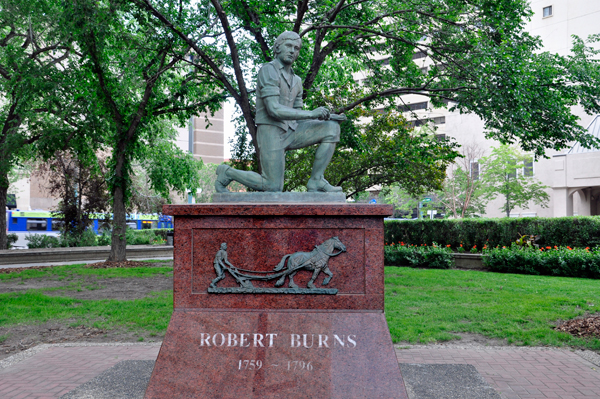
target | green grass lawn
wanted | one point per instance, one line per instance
(421, 305)
(68, 271)
(431, 305)
(150, 314)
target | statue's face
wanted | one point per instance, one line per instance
(223, 246)
(289, 51)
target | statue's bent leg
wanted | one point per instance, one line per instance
(272, 162)
(326, 134)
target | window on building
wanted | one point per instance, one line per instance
(474, 169)
(385, 61)
(419, 54)
(440, 120)
(528, 167)
(514, 167)
(547, 11)
(413, 107)
(440, 137)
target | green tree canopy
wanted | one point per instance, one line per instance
(140, 81)
(484, 61)
(40, 111)
(509, 172)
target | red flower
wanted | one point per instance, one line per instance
(548, 247)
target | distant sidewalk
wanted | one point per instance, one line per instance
(54, 256)
(50, 371)
(520, 372)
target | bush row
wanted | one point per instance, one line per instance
(431, 257)
(579, 231)
(576, 262)
(89, 239)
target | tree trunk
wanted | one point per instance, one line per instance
(3, 192)
(118, 244)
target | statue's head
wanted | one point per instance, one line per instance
(224, 246)
(284, 37)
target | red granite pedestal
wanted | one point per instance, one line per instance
(277, 345)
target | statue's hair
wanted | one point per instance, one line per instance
(287, 35)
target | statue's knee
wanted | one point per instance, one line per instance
(333, 132)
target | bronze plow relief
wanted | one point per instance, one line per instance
(315, 261)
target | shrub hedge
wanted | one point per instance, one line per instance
(89, 239)
(578, 231)
(431, 257)
(561, 261)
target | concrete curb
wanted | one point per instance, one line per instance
(45, 255)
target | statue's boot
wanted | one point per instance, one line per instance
(322, 185)
(222, 179)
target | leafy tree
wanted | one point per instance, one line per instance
(484, 62)
(139, 79)
(38, 106)
(465, 192)
(507, 173)
(382, 152)
(81, 188)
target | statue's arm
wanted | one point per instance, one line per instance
(226, 261)
(282, 112)
(268, 82)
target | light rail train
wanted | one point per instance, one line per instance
(44, 221)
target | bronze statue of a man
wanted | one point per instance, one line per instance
(283, 125)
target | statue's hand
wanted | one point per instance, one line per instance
(320, 113)
(338, 118)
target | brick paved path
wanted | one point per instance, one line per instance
(56, 370)
(519, 372)
(516, 373)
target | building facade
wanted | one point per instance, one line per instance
(572, 175)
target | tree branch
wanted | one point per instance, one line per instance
(301, 10)
(257, 33)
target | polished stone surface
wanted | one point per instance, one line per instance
(276, 355)
(279, 198)
(214, 340)
(261, 210)
(259, 237)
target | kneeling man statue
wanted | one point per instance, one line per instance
(283, 125)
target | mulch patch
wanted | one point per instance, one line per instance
(585, 327)
(112, 265)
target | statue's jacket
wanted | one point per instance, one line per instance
(273, 81)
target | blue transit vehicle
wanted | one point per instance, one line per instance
(45, 221)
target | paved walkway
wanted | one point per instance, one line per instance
(519, 372)
(54, 370)
(50, 371)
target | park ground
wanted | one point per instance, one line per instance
(83, 303)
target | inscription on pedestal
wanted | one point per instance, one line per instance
(278, 343)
